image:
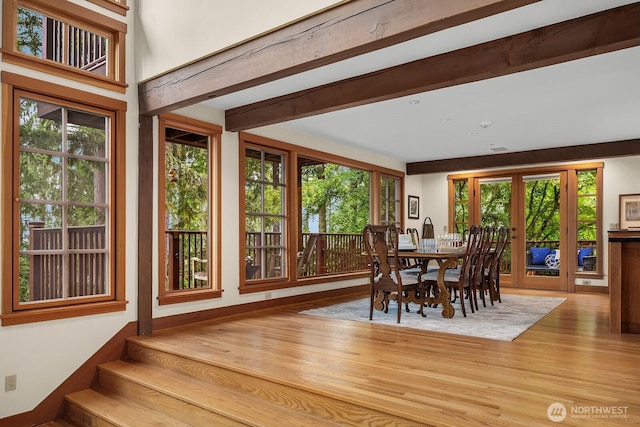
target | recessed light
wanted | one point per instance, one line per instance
(485, 124)
(470, 133)
(414, 102)
(497, 149)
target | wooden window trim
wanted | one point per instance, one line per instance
(69, 13)
(119, 7)
(289, 279)
(214, 133)
(290, 215)
(12, 85)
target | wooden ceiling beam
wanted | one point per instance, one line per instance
(347, 30)
(594, 34)
(629, 147)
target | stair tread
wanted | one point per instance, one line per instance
(211, 397)
(291, 395)
(120, 412)
(56, 423)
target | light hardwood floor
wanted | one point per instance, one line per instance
(431, 378)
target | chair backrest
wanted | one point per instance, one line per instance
(482, 259)
(381, 244)
(305, 256)
(415, 236)
(502, 237)
(474, 239)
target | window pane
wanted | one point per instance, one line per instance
(253, 165)
(40, 176)
(274, 196)
(86, 134)
(80, 216)
(253, 197)
(86, 181)
(48, 38)
(335, 208)
(587, 208)
(273, 168)
(253, 224)
(40, 226)
(40, 125)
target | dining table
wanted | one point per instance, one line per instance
(446, 258)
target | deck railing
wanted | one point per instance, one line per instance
(181, 247)
(86, 270)
(73, 46)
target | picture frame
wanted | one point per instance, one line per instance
(630, 211)
(414, 207)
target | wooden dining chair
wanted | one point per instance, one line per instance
(459, 279)
(481, 262)
(387, 277)
(492, 273)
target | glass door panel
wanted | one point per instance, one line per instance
(542, 224)
(496, 210)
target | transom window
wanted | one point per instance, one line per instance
(65, 39)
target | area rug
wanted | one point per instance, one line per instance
(502, 321)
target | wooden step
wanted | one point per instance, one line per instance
(193, 401)
(57, 423)
(96, 409)
(294, 397)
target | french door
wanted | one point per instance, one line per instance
(533, 206)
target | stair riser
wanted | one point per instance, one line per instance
(323, 407)
(161, 402)
(80, 417)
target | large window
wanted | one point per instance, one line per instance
(303, 211)
(61, 38)
(265, 213)
(390, 207)
(588, 225)
(334, 205)
(63, 215)
(188, 218)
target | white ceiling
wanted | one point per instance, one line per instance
(591, 100)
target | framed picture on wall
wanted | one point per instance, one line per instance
(414, 207)
(630, 211)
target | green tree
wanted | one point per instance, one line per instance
(186, 189)
(338, 196)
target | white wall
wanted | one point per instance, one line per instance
(172, 33)
(44, 354)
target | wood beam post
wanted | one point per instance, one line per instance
(347, 30)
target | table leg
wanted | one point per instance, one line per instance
(442, 295)
(493, 291)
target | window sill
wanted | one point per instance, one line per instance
(64, 312)
(62, 70)
(177, 297)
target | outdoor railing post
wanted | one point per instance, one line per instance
(35, 264)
